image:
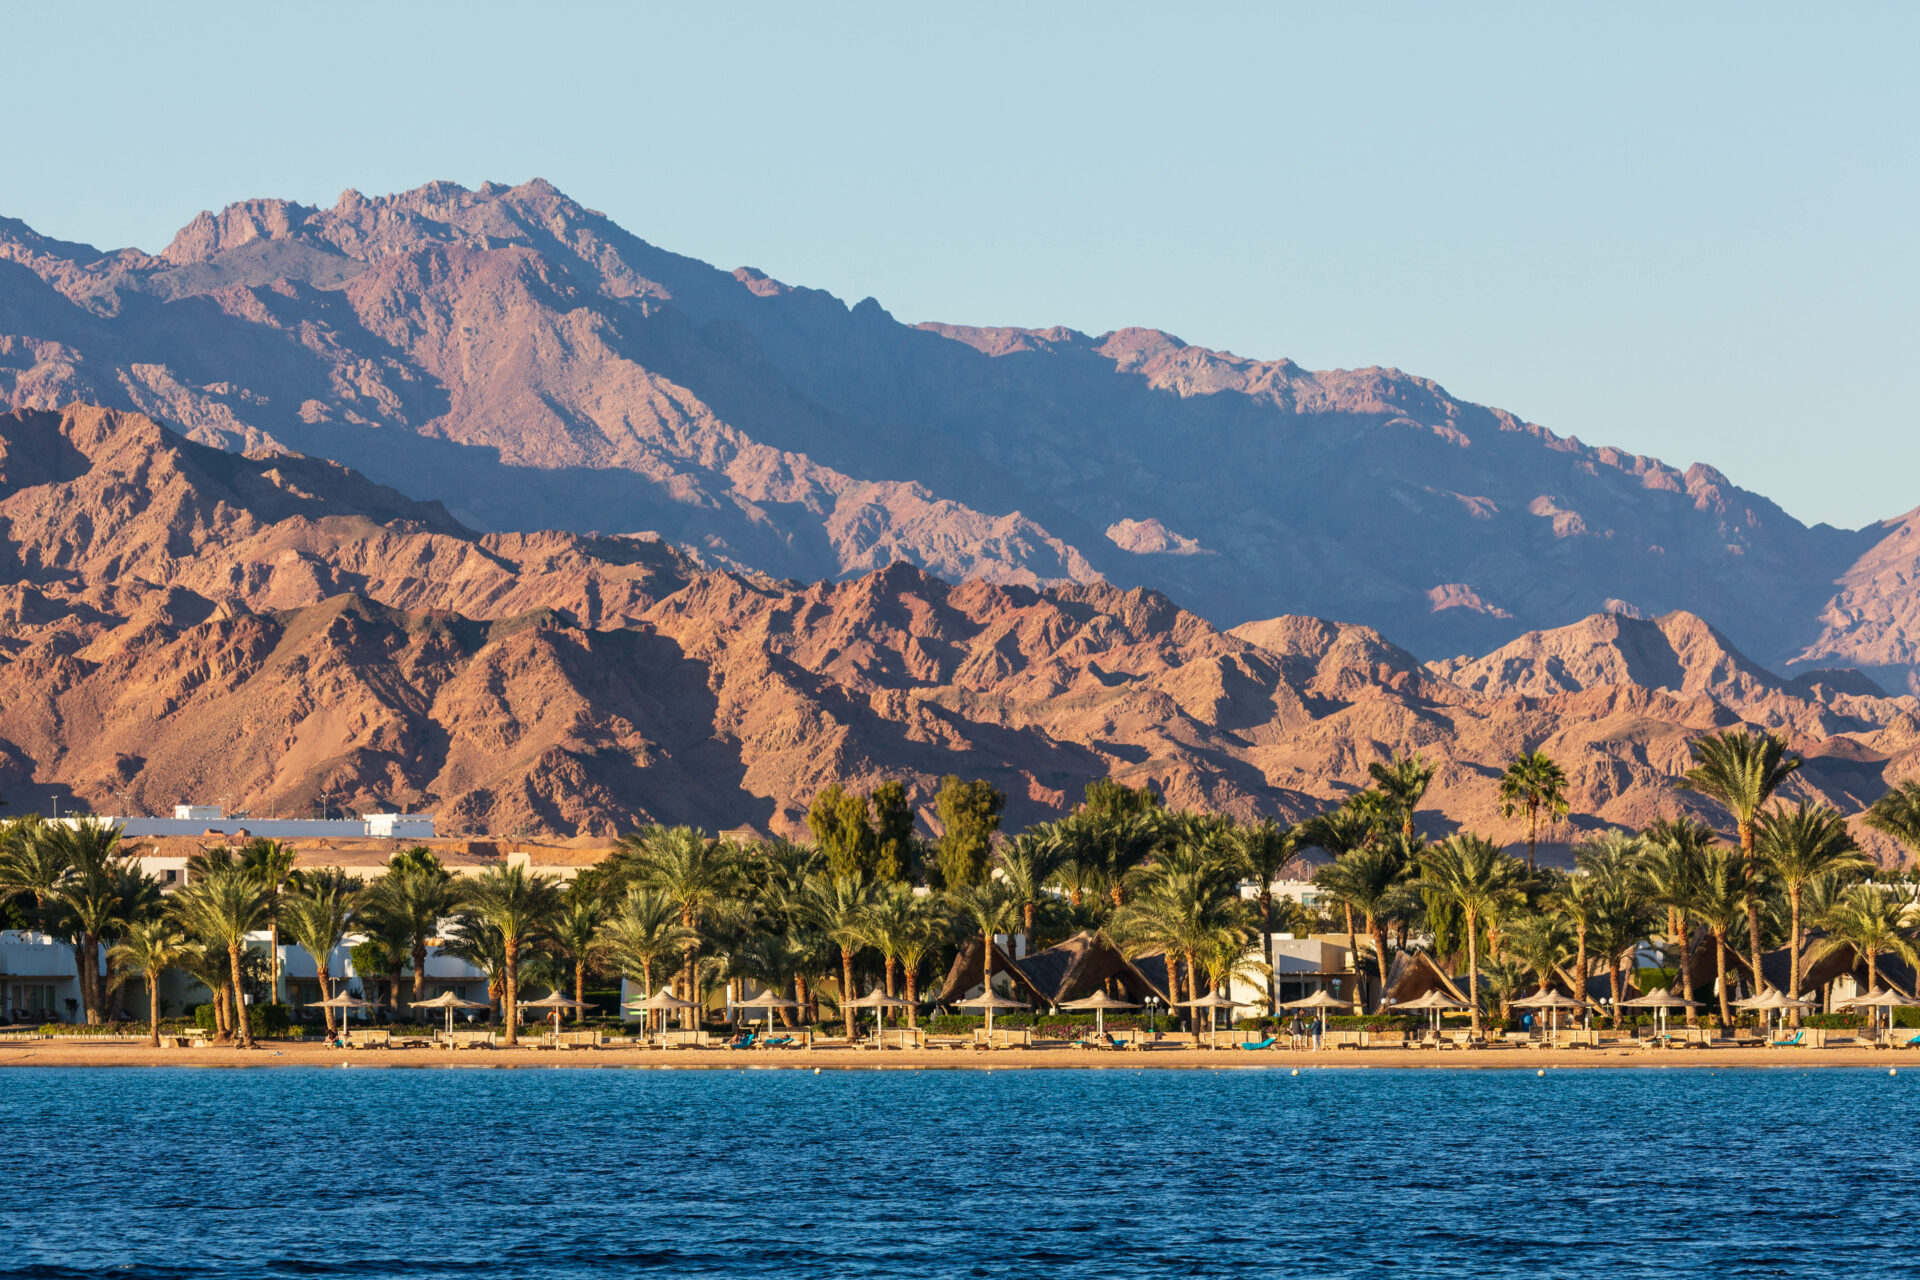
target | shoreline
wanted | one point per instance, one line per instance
(81, 1055)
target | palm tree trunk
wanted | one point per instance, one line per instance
(1579, 991)
(153, 1007)
(1533, 829)
(846, 989)
(1686, 970)
(1793, 945)
(90, 993)
(890, 994)
(1753, 902)
(325, 994)
(242, 1023)
(646, 980)
(511, 1002)
(1193, 993)
(222, 1016)
(1029, 908)
(1353, 940)
(579, 987)
(419, 976)
(393, 987)
(1379, 933)
(801, 995)
(688, 976)
(913, 993)
(1613, 984)
(1720, 968)
(1266, 948)
(1473, 969)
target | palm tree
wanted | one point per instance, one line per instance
(1366, 880)
(1873, 921)
(1722, 901)
(93, 892)
(576, 935)
(1264, 849)
(842, 907)
(209, 968)
(1403, 781)
(1188, 902)
(317, 913)
(1670, 869)
(992, 909)
(273, 861)
(226, 901)
(1541, 942)
(696, 874)
(152, 947)
(644, 930)
(1622, 918)
(1027, 862)
(473, 941)
(520, 906)
(1741, 770)
(897, 916)
(1472, 874)
(1533, 782)
(1897, 814)
(1799, 844)
(416, 891)
(1340, 831)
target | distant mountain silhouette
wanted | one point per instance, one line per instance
(530, 365)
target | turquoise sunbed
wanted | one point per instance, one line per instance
(776, 1042)
(1788, 1043)
(1268, 1043)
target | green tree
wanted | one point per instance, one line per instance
(317, 911)
(225, 900)
(969, 816)
(991, 908)
(842, 826)
(1364, 880)
(1535, 784)
(842, 907)
(520, 907)
(1798, 845)
(414, 894)
(1403, 781)
(151, 947)
(1473, 875)
(1670, 868)
(1027, 863)
(1265, 848)
(1741, 770)
(576, 934)
(1110, 799)
(1873, 920)
(696, 874)
(272, 861)
(1722, 902)
(1897, 814)
(643, 931)
(892, 832)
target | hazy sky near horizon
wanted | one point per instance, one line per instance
(1687, 231)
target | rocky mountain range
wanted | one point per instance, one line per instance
(179, 621)
(529, 365)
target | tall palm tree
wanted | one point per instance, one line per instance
(1472, 873)
(472, 940)
(1670, 868)
(1341, 831)
(1723, 898)
(1874, 921)
(1799, 844)
(1897, 814)
(521, 907)
(1534, 783)
(842, 908)
(897, 914)
(272, 860)
(1622, 919)
(151, 947)
(1573, 901)
(1190, 899)
(1403, 781)
(695, 873)
(644, 930)
(1027, 862)
(576, 935)
(414, 894)
(991, 908)
(1265, 848)
(1541, 942)
(1366, 880)
(95, 890)
(1120, 844)
(317, 911)
(1741, 770)
(224, 903)
(208, 967)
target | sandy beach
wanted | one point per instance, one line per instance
(74, 1052)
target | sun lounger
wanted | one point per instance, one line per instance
(775, 1042)
(1792, 1042)
(1268, 1043)
(369, 1039)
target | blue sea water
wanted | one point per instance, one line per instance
(569, 1172)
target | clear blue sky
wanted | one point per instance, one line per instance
(1689, 234)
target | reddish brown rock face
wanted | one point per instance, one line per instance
(179, 622)
(531, 365)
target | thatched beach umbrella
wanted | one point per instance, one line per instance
(449, 1001)
(344, 1002)
(878, 1001)
(1212, 1002)
(663, 1000)
(1771, 1000)
(1319, 1000)
(1434, 1001)
(1660, 999)
(768, 1000)
(1878, 999)
(554, 1001)
(1551, 1001)
(990, 1000)
(1099, 1002)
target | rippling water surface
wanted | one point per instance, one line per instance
(367, 1173)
